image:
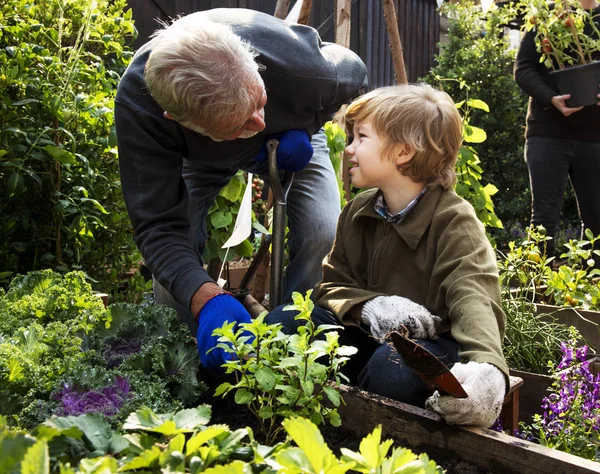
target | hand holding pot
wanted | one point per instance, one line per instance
(560, 102)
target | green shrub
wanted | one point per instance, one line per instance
(184, 442)
(477, 54)
(60, 196)
(62, 352)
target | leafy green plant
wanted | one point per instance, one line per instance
(336, 141)
(60, 196)
(526, 268)
(532, 341)
(577, 283)
(221, 221)
(277, 376)
(477, 54)
(62, 351)
(185, 442)
(469, 171)
(559, 32)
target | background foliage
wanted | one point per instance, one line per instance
(477, 54)
(60, 197)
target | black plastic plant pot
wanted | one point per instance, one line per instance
(582, 82)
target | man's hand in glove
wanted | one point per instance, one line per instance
(294, 150)
(485, 386)
(217, 311)
(386, 313)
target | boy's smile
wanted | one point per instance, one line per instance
(369, 169)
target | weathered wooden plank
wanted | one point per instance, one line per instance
(423, 430)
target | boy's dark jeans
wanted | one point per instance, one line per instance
(550, 162)
(376, 368)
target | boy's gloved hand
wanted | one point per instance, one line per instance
(386, 313)
(217, 311)
(485, 385)
(294, 150)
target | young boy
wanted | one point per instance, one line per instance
(408, 248)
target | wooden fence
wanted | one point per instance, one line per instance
(418, 21)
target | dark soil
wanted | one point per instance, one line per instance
(226, 411)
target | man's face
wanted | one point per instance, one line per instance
(250, 126)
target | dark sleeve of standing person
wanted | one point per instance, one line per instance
(527, 71)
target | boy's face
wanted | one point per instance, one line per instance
(369, 169)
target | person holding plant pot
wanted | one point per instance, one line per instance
(562, 141)
(409, 253)
(198, 103)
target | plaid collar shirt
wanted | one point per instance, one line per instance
(382, 209)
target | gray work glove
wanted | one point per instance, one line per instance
(387, 313)
(485, 385)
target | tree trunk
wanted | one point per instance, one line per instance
(391, 23)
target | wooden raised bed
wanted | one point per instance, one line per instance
(424, 431)
(587, 322)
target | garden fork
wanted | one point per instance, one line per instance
(280, 191)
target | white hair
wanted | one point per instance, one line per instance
(203, 74)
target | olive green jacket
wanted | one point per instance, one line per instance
(438, 256)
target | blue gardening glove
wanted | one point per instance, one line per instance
(294, 150)
(217, 311)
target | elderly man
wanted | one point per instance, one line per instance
(198, 103)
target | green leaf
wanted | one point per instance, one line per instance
(193, 418)
(145, 419)
(265, 412)
(235, 467)
(333, 395)
(61, 155)
(243, 397)
(146, 459)
(13, 447)
(203, 437)
(474, 134)
(16, 184)
(232, 190)
(265, 378)
(478, 104)
(244, 249)
(36, 459)
(221, 389)
(220, 219)
(309, 439)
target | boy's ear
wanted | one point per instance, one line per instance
(403, 153)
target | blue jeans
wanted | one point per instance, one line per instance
(376, 368)
(550, 162)
(313, 207)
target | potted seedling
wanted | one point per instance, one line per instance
(569, 43)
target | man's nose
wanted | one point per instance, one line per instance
(257, 122)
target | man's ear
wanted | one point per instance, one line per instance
(167, 115)
(403, 153)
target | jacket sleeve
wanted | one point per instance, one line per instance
(526, 71)
(466, 275)
(156, 197)
(339, 291)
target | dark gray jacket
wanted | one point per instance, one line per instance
(306, 80)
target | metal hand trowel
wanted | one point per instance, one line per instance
(427, 366)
